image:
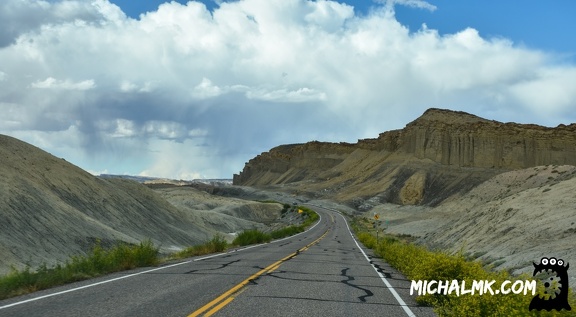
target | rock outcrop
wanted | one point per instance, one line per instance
(461, 139)
(440, 154)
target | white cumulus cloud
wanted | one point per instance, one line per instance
(220, 87)
(52, 83)
(420, 4)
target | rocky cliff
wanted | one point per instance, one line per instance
(441, 154)
(461, 139)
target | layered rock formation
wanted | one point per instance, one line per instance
(461, 139)
(440, 154)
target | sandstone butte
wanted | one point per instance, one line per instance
(441, 154)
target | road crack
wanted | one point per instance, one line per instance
(223, 265)
(347, 281)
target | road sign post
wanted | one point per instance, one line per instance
(377, 226)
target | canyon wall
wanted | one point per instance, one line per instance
(440, 154)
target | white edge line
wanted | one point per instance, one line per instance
(152, 270)
(388, 285)
(90, 285)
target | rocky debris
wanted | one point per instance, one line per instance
(412, 192)
(441, 155)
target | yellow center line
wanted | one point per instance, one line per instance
(228, 296)
(219, 306)
(275, 268)
(224, 303)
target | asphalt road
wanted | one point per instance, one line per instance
(321, 272)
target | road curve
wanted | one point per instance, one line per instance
(321, 272)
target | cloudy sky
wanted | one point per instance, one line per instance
(195, 89)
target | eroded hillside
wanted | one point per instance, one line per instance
(510, 220)
(51, 210)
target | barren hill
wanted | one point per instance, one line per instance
(510, 220)
(51, 209)
(439, 155)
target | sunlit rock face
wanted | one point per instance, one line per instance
(440, 154)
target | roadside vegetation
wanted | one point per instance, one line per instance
(125, 257)
(99, 262)
(418, 263)
(252, 236)
(217, 244)
(248, 237)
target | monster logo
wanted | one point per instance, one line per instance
(554, 276)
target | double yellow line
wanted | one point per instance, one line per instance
(228, 296)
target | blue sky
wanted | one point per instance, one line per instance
(188, 91)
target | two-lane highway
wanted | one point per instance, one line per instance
(322, 272)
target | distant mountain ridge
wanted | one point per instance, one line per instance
(440, 154)
(152, 180)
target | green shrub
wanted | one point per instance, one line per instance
(286, 232)
(309, 215)
(252, 236)
(216, 244)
